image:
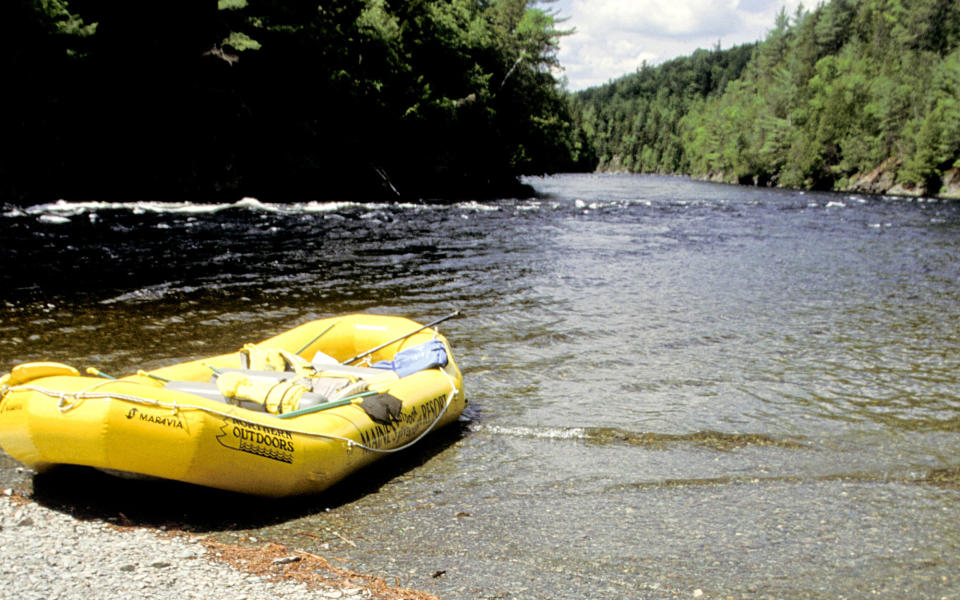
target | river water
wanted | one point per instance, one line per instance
(675, 386)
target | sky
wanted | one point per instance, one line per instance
(614, 37)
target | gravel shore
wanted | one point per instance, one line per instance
(48, 554)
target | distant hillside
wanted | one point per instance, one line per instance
(856, 95)
(632, 124)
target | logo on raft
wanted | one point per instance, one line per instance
(408, 426)
(164, 420)
(10, 407)
(268, 442)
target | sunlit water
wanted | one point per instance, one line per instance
(674, 386)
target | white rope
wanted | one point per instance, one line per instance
(90, 394)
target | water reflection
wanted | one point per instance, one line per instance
(674, 385)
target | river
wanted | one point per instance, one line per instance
(677, 388)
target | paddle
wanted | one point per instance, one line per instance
(318, 336)
(98, 373)
(381, 407)
(402, 337)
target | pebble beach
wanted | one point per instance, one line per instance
(47, 554)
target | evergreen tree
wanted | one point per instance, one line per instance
(829, 96)
(281, 99)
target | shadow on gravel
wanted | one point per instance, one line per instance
(87, 493)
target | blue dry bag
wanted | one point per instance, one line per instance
(425, 356)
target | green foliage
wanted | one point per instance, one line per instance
(936, 137)
(64, 21)
(240, 41)
(632, 124)
(829, 95)
(286, 98)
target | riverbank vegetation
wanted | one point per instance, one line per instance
(200, 99)
(855, 95)
(371, 99)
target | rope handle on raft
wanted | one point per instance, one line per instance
(90, 394)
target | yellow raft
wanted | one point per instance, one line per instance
(278, 418)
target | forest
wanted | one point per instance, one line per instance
(853, 95)
(442, 99)
(279, 99)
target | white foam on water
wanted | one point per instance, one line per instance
(549, 433)
(54, 219)
(66, 208)
(477, 206)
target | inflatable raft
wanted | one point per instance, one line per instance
(290, 415)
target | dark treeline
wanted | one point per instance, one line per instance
(279, 99)
(857, 94)
(633, 124)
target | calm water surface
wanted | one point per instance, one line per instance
(675, 386)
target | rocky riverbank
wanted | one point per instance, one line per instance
(882, 180)
(47, 554)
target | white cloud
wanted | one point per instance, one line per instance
(615, 37)
(656, 18)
